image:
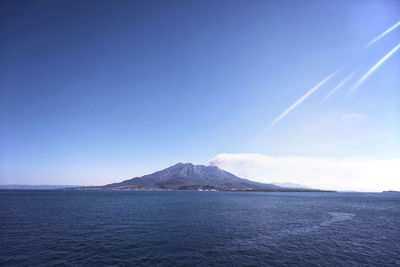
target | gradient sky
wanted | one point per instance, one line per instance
(93, 92)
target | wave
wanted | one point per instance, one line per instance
(335, 218)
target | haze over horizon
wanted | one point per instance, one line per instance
(271, 91)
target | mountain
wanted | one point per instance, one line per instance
(186, 176)
(292, 185)
(189, 176)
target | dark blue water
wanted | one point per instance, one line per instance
(198, 228)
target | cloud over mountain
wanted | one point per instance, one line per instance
(324, 173)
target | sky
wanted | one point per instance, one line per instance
(94, 92)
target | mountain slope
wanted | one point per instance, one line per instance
(191, 177)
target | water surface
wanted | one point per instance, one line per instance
(181, 228)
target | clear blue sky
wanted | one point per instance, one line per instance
(93, 92)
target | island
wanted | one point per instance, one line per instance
(187, 176)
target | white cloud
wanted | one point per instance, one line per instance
(352, 116)
(323, 173)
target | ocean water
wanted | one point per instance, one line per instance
(186, 228)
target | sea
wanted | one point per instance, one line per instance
(191, 228)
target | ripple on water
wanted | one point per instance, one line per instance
(336, 217)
